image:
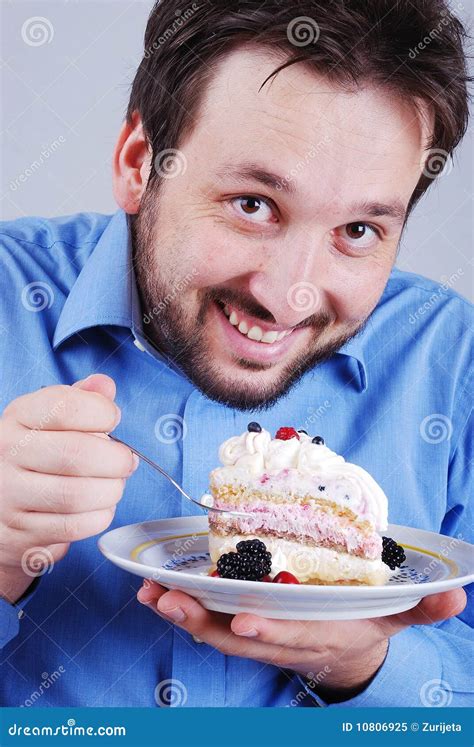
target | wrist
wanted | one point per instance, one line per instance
(349, 678)
(13, 584)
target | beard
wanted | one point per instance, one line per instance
(181, 337)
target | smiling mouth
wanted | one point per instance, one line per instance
(263, 333)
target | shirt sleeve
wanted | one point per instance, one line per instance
(431, 665)
(11, 614)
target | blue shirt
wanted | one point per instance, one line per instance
(69, 307)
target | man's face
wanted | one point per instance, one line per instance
(248, 280)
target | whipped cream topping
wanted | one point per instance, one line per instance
(344, 483)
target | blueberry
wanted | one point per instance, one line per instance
(318, 440)
(321, 488)
(302, 430)
(254, 427)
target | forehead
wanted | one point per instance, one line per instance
(302, 125)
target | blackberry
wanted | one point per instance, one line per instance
(242, 567)
(254, 427)
(257, 553)
(318, 440)
(229, 565)
(392, 554)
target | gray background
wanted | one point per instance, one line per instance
(63, 102)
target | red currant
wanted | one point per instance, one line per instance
(285, 577)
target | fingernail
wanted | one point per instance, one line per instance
(135, 461)
(83, 381)
(118, 416)
(175, 613)
(250, 633)
(142, 601)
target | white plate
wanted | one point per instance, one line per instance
(174, 552)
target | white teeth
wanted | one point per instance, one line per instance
(269, 336)
(255, 333)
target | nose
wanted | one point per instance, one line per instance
(286, 282)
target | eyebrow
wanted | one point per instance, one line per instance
(248, 170)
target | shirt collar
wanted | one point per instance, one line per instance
(105, 293)
(354, 350)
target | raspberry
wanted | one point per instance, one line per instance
(285, 433)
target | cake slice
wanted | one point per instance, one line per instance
(318, 515)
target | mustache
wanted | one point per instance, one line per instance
(247, 304)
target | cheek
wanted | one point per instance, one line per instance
(216, 258)
(354, 293)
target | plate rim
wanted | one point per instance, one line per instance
(209, 582)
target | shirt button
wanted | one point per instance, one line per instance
(21, 613)
(138, 345)
(197, 640)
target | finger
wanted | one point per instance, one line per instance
(62, 408)
(214, 629)
(305, 634)
(76, 454)
(431, 609)
(33, 491)
(49, 528)
(99, 383)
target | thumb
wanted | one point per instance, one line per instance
(99, 383)
(431, 609)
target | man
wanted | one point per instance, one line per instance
(279, 191)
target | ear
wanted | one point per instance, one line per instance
(131, 165)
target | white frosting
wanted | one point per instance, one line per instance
(306, 562)
(257, 454)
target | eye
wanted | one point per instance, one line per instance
(358, 236)
(254, 208)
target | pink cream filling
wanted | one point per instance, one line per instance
(301, 521)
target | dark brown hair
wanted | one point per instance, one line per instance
(415, 47)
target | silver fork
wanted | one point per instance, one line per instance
(173, 482)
